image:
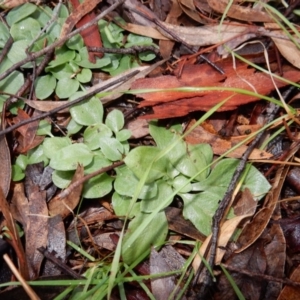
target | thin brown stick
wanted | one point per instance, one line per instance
(131, 50)
(265, 277)
(29, 291)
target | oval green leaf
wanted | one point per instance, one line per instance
(66, 87)
(115, 120)
(44, 86)
(26, 29)
(111, 148)
(88, 112)
(68, 158)
(153, 236)
(54, 144)
(141, 158)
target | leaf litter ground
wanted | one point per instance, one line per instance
(127, 217)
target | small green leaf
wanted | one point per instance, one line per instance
(89, 112)
(115, 120)
(196, 159)
(73, 127)
(164, 191)
(146, 56)
(17, 52)
(17, 173)
(97, 186)
(54, 144)
(62, 71)
(20, 12)
(68, 158)
(85, 63)
(44, 86)
(126, 147)
(42, 15)
(153, 236)
(44, 128)
(200, 208)
(13, 82)
(93, 134)
(111, 148)
(84, 76)
(27, 29)
(126, 62)
(63, 12)
(22, 161)
(66, 87)
(62, 55)
(62, 179)
(126, 184)
(37, 155)
(183, 183)
(137, 40)
(139, 159)
(4, 35)
(123, 135)
(111, 33)
(75, 42)
(121, 205)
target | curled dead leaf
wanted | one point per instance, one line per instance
(239, 12)
(64, 206)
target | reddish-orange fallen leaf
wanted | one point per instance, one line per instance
(168, 104)
(91, 35)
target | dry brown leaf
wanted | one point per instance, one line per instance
(46, 105)
(143, 30)
(106, 241)
(166, 47)
(65, 206)
(290, 292)
(19, 206)
(28, 138)
(56, 242)
(245, 204)
(4, 4)
(188, 6)
(161, 287)
(252, 231)
(220, 146)
(177, 223)
(289, 51)
(239, 12)
(138, 128)
(226, 232)
(5, 172)
(14, 237)
(265, 257)
(36, 230)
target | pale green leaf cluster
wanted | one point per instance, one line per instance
(70, 69)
